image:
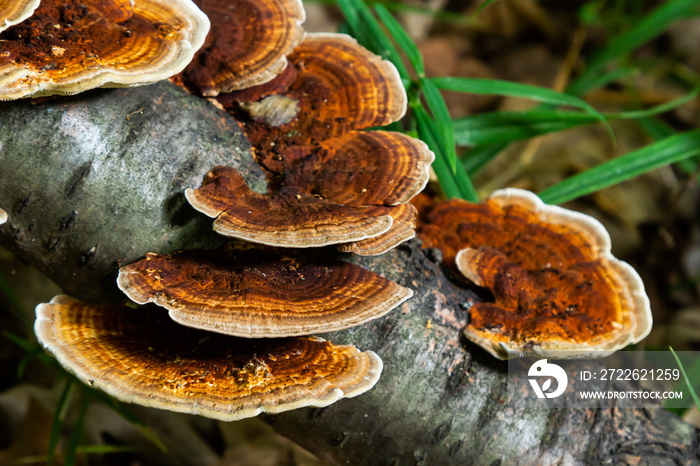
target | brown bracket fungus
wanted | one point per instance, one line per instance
(338, 86)
(403, 228)
(72, 46)
(335, 185)
(346, 190)
(558, 291)
(141, 356)
(364, 168)
(288, 218)
(15, 11)
(330, 183)
(247, 45)
(250, 295)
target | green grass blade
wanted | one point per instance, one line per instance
(32, 348)
(58, 418)
(662, 108)
(466, 186)
(26, 345)
(507, 127)
(512, 89)
(657, 129)
(29, 357)
(440, 166)
(688, 382)
(605, 78)
(78, 429)
(400, 7)
(454, 184)
(104, 449)
(651, 26)
(352, 16)
(402, 39)
(384, 46)
(669, 150)
(358, 27)
(122, 410)
(438, 108)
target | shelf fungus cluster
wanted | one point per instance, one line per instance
(74, 45)
(331, 183)
(227, 333)
(557, 289)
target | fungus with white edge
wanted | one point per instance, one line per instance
(331, 184)
(15, 11)
(558, 291)
(255, 294)
(243, 50)
(142, 356)
(72, 46)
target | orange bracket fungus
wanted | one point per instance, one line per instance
(330, 184)
(364, 168)
(72, 46)
(15, 11)
(288, 218)
(558, 291)
(402, 229)
(141, 356)
(339, 86)
(247, 45)
(249, 295)
(351, 189)
(3, 216)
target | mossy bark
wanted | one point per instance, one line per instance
(96, 180)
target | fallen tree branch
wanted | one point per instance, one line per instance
(94, 181)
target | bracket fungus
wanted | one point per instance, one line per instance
(3, 216)
(288, 218)
(248, 43)
(351, 189)
(72, 46)
(15, 11)
(331, 184)
(558, 291)
(251, 295)
(141, 356)
(338, 86)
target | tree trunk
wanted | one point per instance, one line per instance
(94, 181)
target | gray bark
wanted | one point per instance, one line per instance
(94, 181)
(97, 180)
